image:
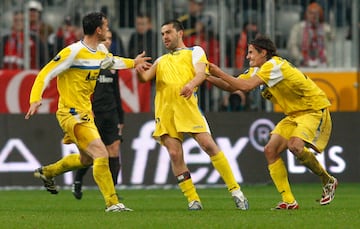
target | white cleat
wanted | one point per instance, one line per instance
(329, 191)
(118, 208)
(195, 205)
(240, 200)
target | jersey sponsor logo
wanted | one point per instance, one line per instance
(90, 77)
(104, 79)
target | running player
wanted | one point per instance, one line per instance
(306, 126)
(77, 68)
(109, 119)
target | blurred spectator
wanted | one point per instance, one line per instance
(36, 23)
(309, 41)
(67, 34)
(249, 32)
(13, 46)
(235, 101)
(205, 38)
(127, 12)
(195, 13)
(117, 46)
(144, 38)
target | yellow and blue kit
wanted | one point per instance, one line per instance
(77, 68)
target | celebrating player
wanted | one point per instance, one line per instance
(77, 68)
(307, 124)
(109, 119)
(178, 74)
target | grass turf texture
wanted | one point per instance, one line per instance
(167, 208)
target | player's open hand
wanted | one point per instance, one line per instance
(32, 109)
(141, 62)
(141, 59)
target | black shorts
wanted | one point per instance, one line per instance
(107, 124)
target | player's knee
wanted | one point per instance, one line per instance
(174, 154)
(86, 160)
(295, 149)
(270, 153)
(296, 146)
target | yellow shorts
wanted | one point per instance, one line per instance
(175, 125)
(176, 115)
(314, 127)
(86, 131)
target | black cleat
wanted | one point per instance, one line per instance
(76, 190)
(49, 183)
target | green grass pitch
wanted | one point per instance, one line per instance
(167, 208)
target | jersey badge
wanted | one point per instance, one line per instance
(57, 57)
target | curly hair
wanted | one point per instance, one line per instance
(264, 43)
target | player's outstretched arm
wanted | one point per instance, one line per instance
(236, 83)
(117, 62)
(145, 75)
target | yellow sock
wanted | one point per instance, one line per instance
(103, 179)
(221, 164)
(279, 176)
(187, 187)
(67, 163)
(308, 159)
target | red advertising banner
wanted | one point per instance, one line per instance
(15, 87)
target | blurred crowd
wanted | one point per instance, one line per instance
(308, 41)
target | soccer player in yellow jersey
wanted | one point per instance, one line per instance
(307, 124)
(178, 74)
(77, 67)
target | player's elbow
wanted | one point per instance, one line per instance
(141, 78)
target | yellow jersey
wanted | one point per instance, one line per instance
(288, 86)
(175, 114)
(77, 68)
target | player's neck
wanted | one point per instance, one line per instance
(90, 42)
(177, 49)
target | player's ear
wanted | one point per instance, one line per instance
(98, 30)
(264, 52)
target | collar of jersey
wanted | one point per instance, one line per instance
(92, 50)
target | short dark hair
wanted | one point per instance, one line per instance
(144, 15)
(263, 42)
(176, 24)
(91, 21)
